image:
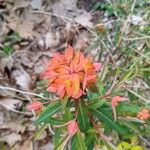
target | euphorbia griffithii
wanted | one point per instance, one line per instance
(143, 114)
(70, 73)
(72, 127)
(114, 102)
(34, 106)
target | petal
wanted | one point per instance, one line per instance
(75, 84)
(119, 98)
(34, 106)
(69, 53)
(52, 88)
(114, 103)
(72, 127)
(88, 66)
(84, 83)
(69, 90)
(97, 66)
(78, 95)
(62, 79)
(48, 74)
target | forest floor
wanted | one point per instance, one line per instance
(31, 31)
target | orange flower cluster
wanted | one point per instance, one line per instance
(70, 73)
(143, 114)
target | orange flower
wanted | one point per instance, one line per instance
(143, 114)
(70, 73)
(114, 103)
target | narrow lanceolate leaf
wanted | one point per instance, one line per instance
(83, 119)
(50, 110)
(57, 136)
(39, 132)
(62, 143)
(80, 142)
(106, 118)
(128, 75)
(94, 104)
(55, 121)
(127, 107)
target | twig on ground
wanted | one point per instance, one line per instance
(16, 111)
(20, 91)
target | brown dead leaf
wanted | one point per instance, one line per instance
(69, 4)
(12, 138)
(36, 4)
(10, 103)
(82, 40)
(20, 4)
(24, 28)
(22, 78)
(48, 146)
(51, 40)
(100, 27)
(26, 145)
(14, 126)
(5, 63)
(84, 19)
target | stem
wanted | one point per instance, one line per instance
(77, 108)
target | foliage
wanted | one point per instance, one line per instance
(105, 109)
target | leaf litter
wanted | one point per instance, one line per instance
(44, 27)
(40, 35)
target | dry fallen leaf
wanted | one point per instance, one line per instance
(50, 40)
(5, 63)
(12, 138)
(82, 40)
(20, 4)
(10, 103)
(84, 19)
(100, 27)
(22, 78)
(24, 28)
(48, 146)
(14, 126)
(26, 145)
(36, 4)
(69, 4)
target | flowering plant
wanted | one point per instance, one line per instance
(89, 112)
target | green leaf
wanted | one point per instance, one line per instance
(124, 146)
(83, 119)
(128, 75)
(94, 104)
(62, 143)
(67, 115)
(137, 147)
(74, 142)
(106, 117)
(92, 95)
(55, 121)
(39, 132)
(50, 110)
(127, 107)
(64, 102)
(57, 136)
(8, 50)
(80, 142)
(100, 87)
(89, 138)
